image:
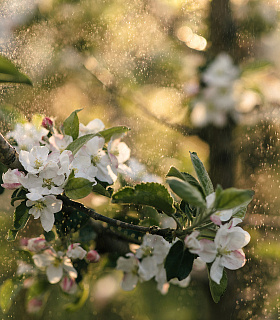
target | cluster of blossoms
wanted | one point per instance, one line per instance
(136, 172)
(147, 263)
(226, 249)
(48, 164)
(57, 266)
(216, 99)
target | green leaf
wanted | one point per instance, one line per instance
(98, 188)
(202, 174)
(8, 291)
(18, 194)
(12, 234)
(49, 236)
(77, 188)
(9, 72)
(108, 133)
(21, 216)
(217, 290)
(149, 194)
(76, 145)
(239, 212)
(232, 197)
(186, 191)
(173, 172)
(71, 125)
(179, 262)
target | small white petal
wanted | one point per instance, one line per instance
(216, 271)
(54, 273)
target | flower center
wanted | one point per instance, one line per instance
(38, 163)
(95, 160)
(223, 252)
(48, 183)
(39, 205)
(147, 251)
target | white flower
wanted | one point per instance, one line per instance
(59, 142)
(27, 136)
(130, 267)
(153, 245)
(74, 251)
(44, 208)
(181, 283)
(119, 149)
(55, 263)
(83, 167)
(25, 268)
(12, 179)
(93, 126)
(229, 240)
(35, 160)
(47, 182)
(137, 172)
(206, 249)
(204, 113)
(91, 161)
(152, 251)
(221, 72)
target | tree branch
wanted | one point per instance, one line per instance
(113, 222)
(9, 155)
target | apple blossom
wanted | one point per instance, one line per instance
(55, 263)
(12, 179)
(59, 142)
(26, 136)
(74, 251)
(93, 126)
(35, 160)
(221, 72)
(229, 240)
(130, 267)
(44, 208)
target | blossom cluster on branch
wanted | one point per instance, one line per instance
(68, 163)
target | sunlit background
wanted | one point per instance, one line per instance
(138, 63)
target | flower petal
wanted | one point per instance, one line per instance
(216, 271)
(54, 273)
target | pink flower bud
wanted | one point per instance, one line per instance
(68, 285)
(36, 244)
(23, 242)
(34, 305)
(93, 256)
(47, 123)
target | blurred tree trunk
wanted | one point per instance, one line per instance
(222, 30)
(222, 154)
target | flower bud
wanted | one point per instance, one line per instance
(47, 123)
(68, 285)
(34, 305)
(93, 256)
(36, 244)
